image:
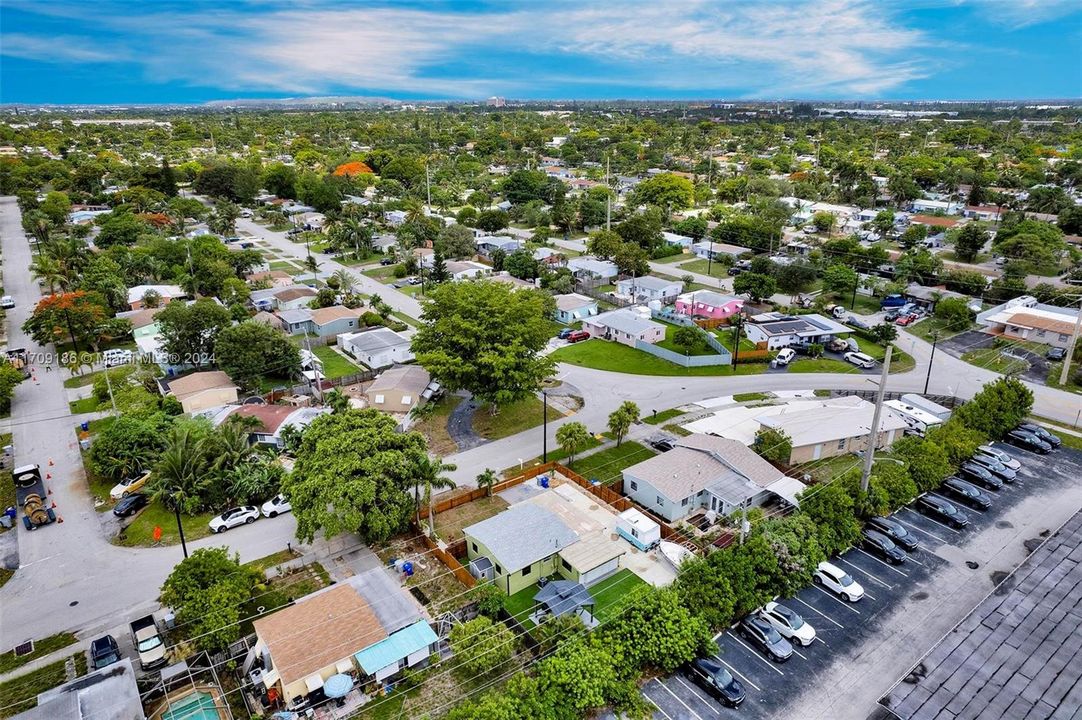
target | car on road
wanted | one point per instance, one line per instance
(578, 336)
(769, 641)
(718, 682)
(895, 531)
(975, 472)
(7, 302)
(879, 544)
(246, 213)
(967, 493)
(1027, 441)
(1056, 354)
(995, 467)
(386, 261)
(276, 506)
(838, 581)
(129, 485)
(565, 333)
(789, 623)
(662, 444)
(857, 322)
(940, 508)
(785, 356)
(860, 359)
(1004, 458)
(233, 517)
(104, 652)
(231, 239)
(131, 504)
(1050, 438)
(891, 316)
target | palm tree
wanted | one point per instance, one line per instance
(46, 270)
(231, 446)
(430, 477)
(346, 281)
(355, 233)
(180, 469)
(486, 480)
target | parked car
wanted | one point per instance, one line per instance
(131, 504)
(769, 641)
(578, 336)
(276, 506)
(979, 474)
(662, 444)
(1041, 432)
(104, 652)
(879, 544)
(968, 493)
(860, 359)
(788, 623)
(117, 356)
(1004, 458)
(718, 682)
(1056, 354)
(942, 509)
(7, 302)
(840, 345)
(838, 581)
(233, 517)
(906, 320)
(386, 261)
(891, 316)
(231, 239)
(129, 485)
(564, 333)
(785, 356)
(892, 301)
(1027, 441)
(856, 322)
(995, 467)
(895, 531)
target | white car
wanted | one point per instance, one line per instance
(997, 454)
(789, 624)
(860, 359)
(233, 517)
(838, 581)
(7, 302)
(785, 356)
(276, 506)
(117, 356)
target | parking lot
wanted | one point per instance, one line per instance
(841, 627)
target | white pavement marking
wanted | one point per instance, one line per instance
(887, 565)
(844, 603)
(870, 575)
(667, 717)
(696, 694)
(737, 673)
(797, 652)
(821, 613)
(931, 520)
(822, 640)
(679, 700)
(911, 526)
(761, 658)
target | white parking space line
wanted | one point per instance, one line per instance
(736, 672)
(679, 700)
(696, 694)
(820, 613)
(844, 603)
(667, 717)
(945, 527)
(888, 566)
(760, 657)
(871, 576)
(921, 530)
(914, 560)
(797, 652)
(819, 639)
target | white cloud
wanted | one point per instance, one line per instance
(53, 49)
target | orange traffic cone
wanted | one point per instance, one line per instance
(49, 491)
(54, 504)
(50, 462)
(60, 519)
(48, 476)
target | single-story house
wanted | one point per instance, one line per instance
(200, 390)
(1023, 318)
(573, 307)
(927, 297)
(110, 693)
(778, 330)
(269, 319)
(165, 292)
(837, 427)
(295, 321)
(508, 279)
(934, 221)
(586, 266)
(394, 217)
(648, 287)
(487, 244)
(987, 213)
(466, 269)
(520, 544)
(377, 348)
(922, 205)
(624, 326)
(285, 297)
(674, 239)
(367, 627)
(709, 304)
(384, 243)
(273, 420)
(278, 278)
(425, 257)
(142, 321)
(706, 472)
(707, 249)
(335, 320)
(398, 390)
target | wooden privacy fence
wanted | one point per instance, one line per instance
(449, 560)
(711, 323)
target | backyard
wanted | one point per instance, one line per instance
(335, 364)
(669, 343)
(607, 595)
(140, 533)
(606, 465)
(449, 523)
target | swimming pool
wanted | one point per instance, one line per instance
(194, 706)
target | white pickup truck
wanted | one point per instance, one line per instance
(148, 643)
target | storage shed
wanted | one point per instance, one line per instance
(637, 529)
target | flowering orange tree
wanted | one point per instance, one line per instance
(82, 316)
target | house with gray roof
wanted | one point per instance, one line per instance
(517, 547)
(106, 694)
(590, 267)
(646, 288)
(626, 326)
(377, 347)
(706, 472)
(778, 330)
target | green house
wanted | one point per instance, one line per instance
(519, 546)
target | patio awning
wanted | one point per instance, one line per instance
(591, 552)
(787, 489)
(344, 666)
(313, 682)
(407, 641)
(561, 597)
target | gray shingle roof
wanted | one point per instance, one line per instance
(685, 471)
(522, 535)
(624, 321)
(649, 282)
(377, 339)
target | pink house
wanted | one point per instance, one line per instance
(708, 304)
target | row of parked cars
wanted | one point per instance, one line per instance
(775, 628)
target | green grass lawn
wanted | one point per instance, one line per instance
(994, 359)
(866, 305)
(83, 405)
(269, 561)
(21, 693)
(9, 662)
(521, 604)
(821, 365)
(381, 273)
(5, 575)
(512, 419)
(140, 533)
(609, 593)
(449, 524)
(335, 365)
(81, 380)
(661, 417)
(926, 327)
(606, 465)
(556, 454)
(751, 396)
(900, 361)
(615, 357)
(7, 483)
(681, 257)
(717, 270)
(670, 344)
(725, 336)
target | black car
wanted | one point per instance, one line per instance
(103, 652)
(386, 261)
(130, 504)
(761, 633)
(1027, 441)
(662, 444)
(1042, 433)
(564, 333)
(718, 682)
(881, 545)
(995, 467)
(942, 509)
(1056, 354)
(981, 475)
(968, 493)
(895, 531)
(892, 315)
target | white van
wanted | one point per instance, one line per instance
(785, 356)
(116, 356)
(860, 359)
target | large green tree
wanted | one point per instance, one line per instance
(621, 419)
(251, 350)
(207, 591)
(480, 646)
(189, 332)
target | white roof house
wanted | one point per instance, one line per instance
(586, 265)
(624, 326)
(648, 287)
(837, 427)
(377, 348)
(167, 292)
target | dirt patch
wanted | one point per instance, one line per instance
(439, 586)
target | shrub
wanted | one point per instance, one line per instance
(400, 271)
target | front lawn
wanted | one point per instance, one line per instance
(21, 694)
(717, 270)
(669, 343)
(83, 405)
(658, 418)
(926, 327)
(900, 361)
(616, 357)
(9, 661)
(140, 533)
(725, 337)
(555, 454)
(81, 380)
(449, 523)
(269, 595)
(607, 465)
(335, 364)
(7, 483)
(609, 593)
(433, 425)
(512, 419)
(866, 304)
(751, 396)
(821, 365)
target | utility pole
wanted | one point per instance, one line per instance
(315, 366)
(545, 432)
(928, 377)
(608, 196)
(1070, 347)
(180, 529)
(873, 434)
(743, 519)
(428, 190)
(109, 384)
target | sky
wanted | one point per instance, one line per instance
(172, 51)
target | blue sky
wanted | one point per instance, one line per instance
(113, 51)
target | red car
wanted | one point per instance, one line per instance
(906, 320)
(577, 336)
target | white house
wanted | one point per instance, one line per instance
(674, 239)
(708, 249)
(778, 330)
(376, 348)
(466, 269)
(586, 266)
(648, 287)
(624, 326)
(931, 206)
(394, 217)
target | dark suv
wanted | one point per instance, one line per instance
(104, 652)
(975, 472)
(1050, 438)
(970, 494)
(716, 681)
(942, 509)
(995, 467)
(879, 544)
(769, 640)
(895, 531)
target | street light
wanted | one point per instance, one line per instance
(928, 378)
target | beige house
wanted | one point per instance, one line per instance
(278, 278)
(624, 326)
(200, 390)
(398, 390)
(839, 427)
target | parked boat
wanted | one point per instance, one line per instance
(674, 554)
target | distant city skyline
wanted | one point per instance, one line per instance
(117, 52)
